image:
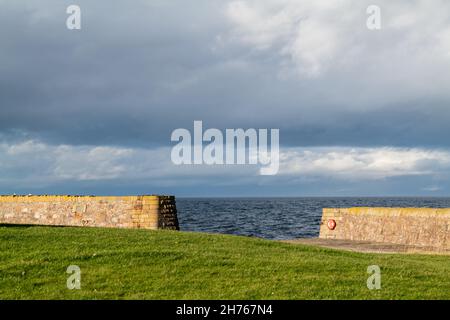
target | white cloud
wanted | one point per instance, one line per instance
(257, 25)
(36, 161)
(314, 47)
(320, 36)
(432, 189)
(309, 33)
(97, 163)
(363, 163)
(33, 162)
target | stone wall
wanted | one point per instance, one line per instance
(144, 212)
(421, 227)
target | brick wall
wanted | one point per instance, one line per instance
(422, 227)
(145, 212)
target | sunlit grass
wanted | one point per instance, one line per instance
(140, 264)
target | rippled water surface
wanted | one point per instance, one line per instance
(276, 218)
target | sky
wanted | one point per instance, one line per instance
(360, 112)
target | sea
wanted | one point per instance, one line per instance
(277, 218)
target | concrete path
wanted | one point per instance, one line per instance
(364, 246)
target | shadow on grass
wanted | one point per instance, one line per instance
(8, 225)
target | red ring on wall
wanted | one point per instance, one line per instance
(331, 224)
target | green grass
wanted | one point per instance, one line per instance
(140, 264)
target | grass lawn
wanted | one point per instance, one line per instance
(141, 264)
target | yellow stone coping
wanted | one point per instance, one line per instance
(37, 198)
(413, 211)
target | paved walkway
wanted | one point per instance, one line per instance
(364, 246)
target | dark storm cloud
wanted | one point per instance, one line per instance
(136, 72)
(109, 82)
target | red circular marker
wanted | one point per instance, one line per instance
(331, 224)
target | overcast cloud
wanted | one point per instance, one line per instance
(359, 111)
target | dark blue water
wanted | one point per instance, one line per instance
(276, 218)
